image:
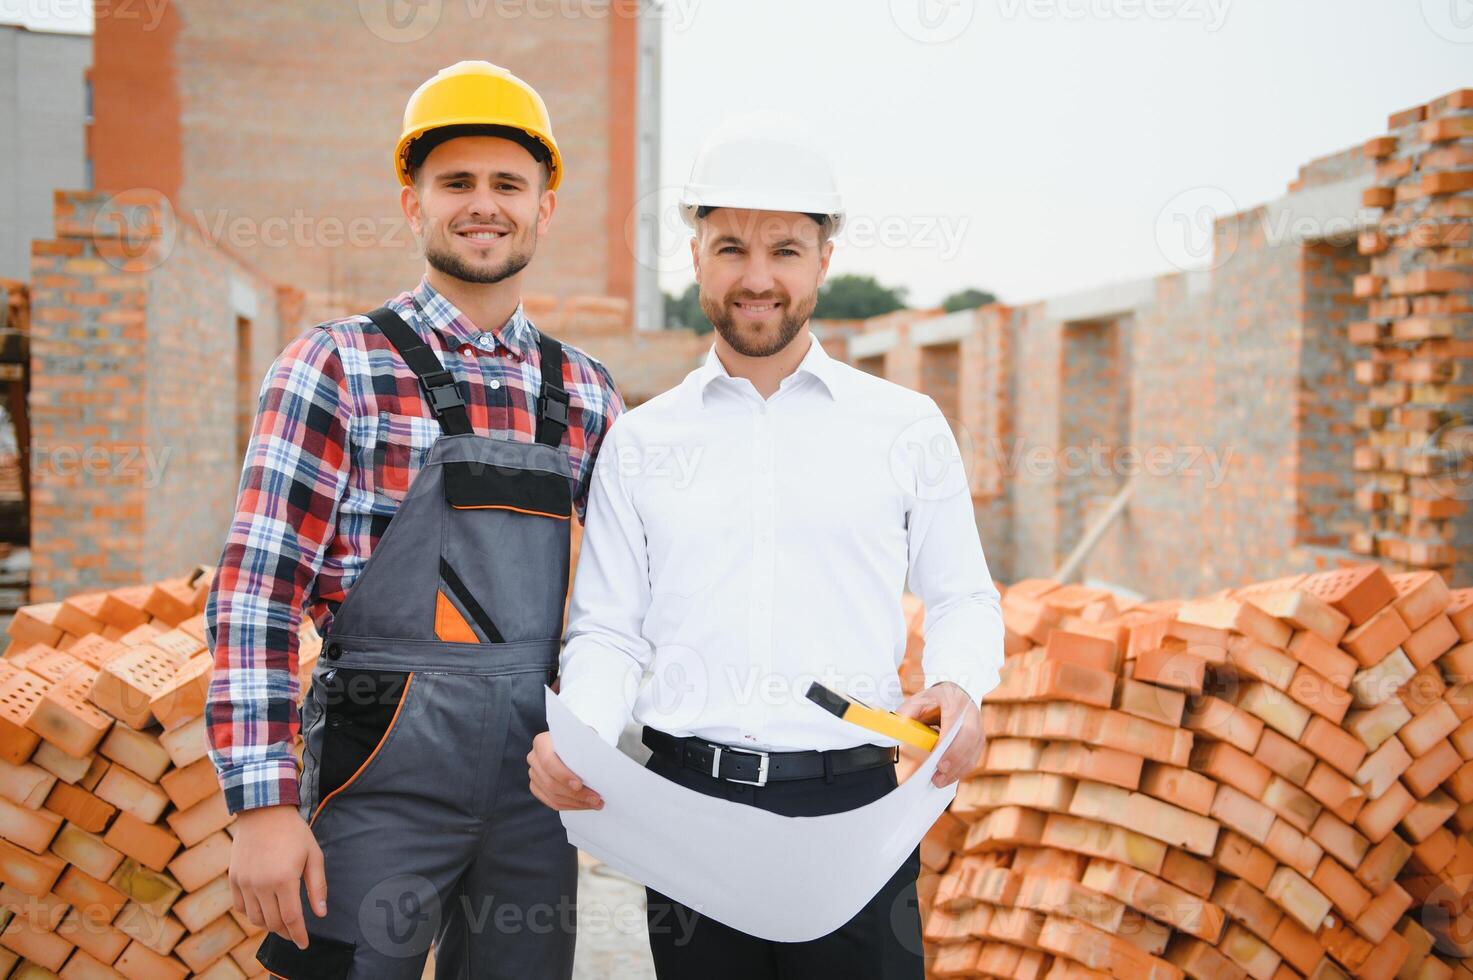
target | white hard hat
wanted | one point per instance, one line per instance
(764, 162)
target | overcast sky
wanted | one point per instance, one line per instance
(1034, 147)
(1029, 146)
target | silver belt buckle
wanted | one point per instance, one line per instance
(761, 779)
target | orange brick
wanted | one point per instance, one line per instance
(1382, 767)
(138, 752)
(92, 934)
(1431, 768)
(1238, 856)
(1357, 592)
(1334, 745)
(20, 692)
(188, 785)
(35, 624)
(1323, 658)
(201, 820)
(64, 718)
(1296, 896)
(1284, 757)
(182, 697)
(1190, 790)
(1171, 668)
(171, 601)
(1383, 862)
(1380, 917)
(26, 784)
(196, 866)
(1306, 612)
(1188, 873)
(1158, 704)
(1218, 719)
(1319, 695)
(1428, 728)
(127, 683)
(1430, 641)
(1094, 652)
(42, 947)
(95, 898)
(1346, 844)
(133, 794)
(1420, 596)
(1376, 725)
(1344, 891)
(1372, 640)
(1238, 616)
(138, 962)
(149, 844)
(1338, 794)
(1377, 818)
(80, 807)
(85, 851)
(32, 874)
(32, 829)
(1227, 764)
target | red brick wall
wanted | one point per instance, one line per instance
(133, 402)
(274, 125)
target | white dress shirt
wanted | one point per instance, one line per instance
(740, 548)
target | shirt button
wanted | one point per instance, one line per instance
(495, 384)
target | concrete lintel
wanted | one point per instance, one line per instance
(1101, 302)
(1326, 211)
(948, 329)
(872, 344)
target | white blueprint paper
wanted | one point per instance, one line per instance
(789, 879)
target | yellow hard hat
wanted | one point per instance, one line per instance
(477, 93)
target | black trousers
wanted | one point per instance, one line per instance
(881, 942)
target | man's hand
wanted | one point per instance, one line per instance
(554, 783)
(955, 708)
(273, 850)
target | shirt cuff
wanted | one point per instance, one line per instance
(272, 782)
(976, 685)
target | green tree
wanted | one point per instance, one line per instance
(967, 299)
(683, 312)
(857, 297)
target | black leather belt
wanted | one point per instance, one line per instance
(760, 768)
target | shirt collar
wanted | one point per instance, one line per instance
(437, 312)
(816, 362)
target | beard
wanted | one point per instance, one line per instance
(445, 259)
(758, 342)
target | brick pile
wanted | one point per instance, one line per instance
(1415, 442)
(114, 834)
(1273, 781)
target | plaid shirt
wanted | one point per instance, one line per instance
(340, 432)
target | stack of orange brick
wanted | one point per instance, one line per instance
(114, 834)
(1419, 293)
(1271, 782)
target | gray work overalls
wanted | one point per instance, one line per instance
(423, 707)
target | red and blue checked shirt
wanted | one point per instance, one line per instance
(340, 431)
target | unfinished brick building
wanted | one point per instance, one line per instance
(1301, 398)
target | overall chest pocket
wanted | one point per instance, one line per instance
(394, 448)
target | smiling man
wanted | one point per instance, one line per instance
(814, 493)
(410, 480)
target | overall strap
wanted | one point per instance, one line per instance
(439, 385)
(552, 401)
